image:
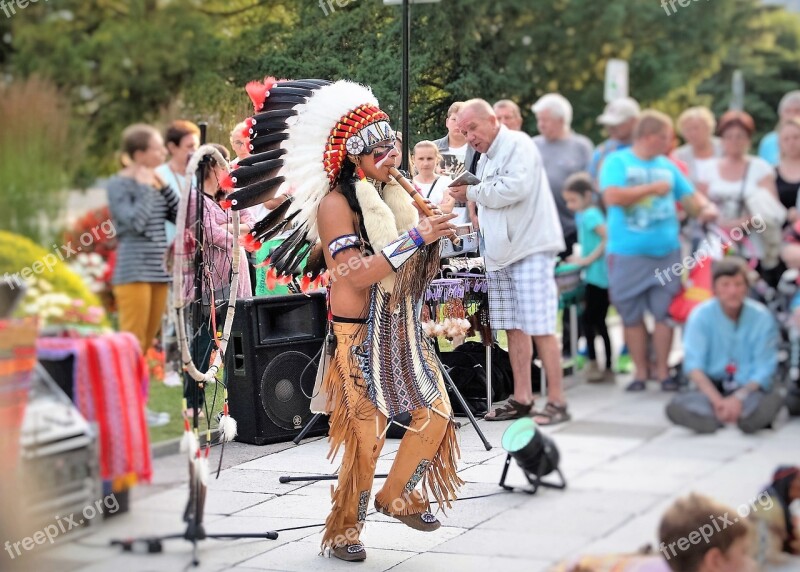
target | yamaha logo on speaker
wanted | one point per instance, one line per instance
(298, 421)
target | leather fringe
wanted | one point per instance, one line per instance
(441, 478)
(345, 495)
(415, 275)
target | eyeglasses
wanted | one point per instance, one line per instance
(237, 143)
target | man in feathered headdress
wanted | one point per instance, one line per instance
(329, 148)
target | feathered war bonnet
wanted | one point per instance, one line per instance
(300, 136)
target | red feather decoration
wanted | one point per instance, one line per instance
(250, 244)
(259, 91)
(227, 184)
(225, 204)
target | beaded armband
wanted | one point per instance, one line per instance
(344, 242)
(402, 249)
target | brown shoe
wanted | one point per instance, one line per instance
(423, 521)
(350, 552)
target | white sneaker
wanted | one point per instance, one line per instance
(173, 379)
(156, 419)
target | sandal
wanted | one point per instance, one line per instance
(670, 384)
(552, 414)
(350, 552)
(636, 385)
(423, 521)
(511, 410)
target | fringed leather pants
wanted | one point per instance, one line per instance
(428, 452)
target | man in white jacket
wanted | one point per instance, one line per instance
(522, 234)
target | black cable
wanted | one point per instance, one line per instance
(314, 359)
(504, 492)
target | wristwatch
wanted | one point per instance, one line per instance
(741, 393)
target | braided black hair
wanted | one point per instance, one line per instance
(347, 186)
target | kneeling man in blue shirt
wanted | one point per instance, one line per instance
(730, 356)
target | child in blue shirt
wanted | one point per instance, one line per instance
(579, 194)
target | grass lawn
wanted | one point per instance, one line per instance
(170, 399)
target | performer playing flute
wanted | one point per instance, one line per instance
(339, 149)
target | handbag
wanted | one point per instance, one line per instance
(764, 204)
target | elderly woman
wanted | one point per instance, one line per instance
(737, 179)
(789, 107)
(696, 126)
(238, 143)
(788, 180)
(738, 175)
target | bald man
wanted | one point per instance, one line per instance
(522, 236)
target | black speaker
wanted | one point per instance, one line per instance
(271, 364)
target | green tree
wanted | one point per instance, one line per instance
(119, 62)
(768, 60)
(506, 49)
(39, 146)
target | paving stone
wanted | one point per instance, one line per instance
(533, 543)
(471, 563)
(303, 556)
(217, 502)
(623, 465)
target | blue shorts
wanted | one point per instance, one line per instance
(641, 284)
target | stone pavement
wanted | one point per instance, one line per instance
(623, 462)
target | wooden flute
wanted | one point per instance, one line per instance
(419, 199)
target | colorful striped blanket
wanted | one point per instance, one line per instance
(110, 388)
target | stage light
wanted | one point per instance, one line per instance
(535, 453)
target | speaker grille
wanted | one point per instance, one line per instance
(284, 385)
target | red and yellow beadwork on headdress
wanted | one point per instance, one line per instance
(352, 135)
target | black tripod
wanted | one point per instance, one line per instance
(533, 478)
(453, 389)
(193, 514)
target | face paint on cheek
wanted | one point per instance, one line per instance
(381, 155)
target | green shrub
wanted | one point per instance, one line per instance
(21, 257)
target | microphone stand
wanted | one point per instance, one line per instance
(194, 512)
